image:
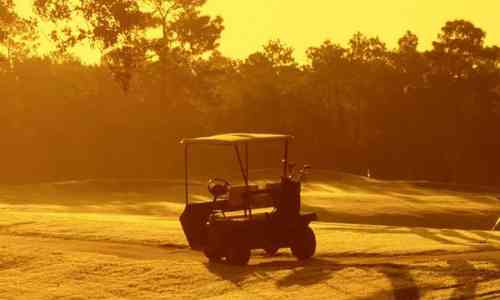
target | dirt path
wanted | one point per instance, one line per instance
(39, 265)
(138, 251)
(118, 249)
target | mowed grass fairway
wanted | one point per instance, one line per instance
(120, 239)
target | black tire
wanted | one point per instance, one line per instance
(304, 243)
(212, 249)
(238, 255)
(271, 250)
(212, 255)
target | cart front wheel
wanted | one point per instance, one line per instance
(212, 256)
(304, 244)
(212, 248)
(238, 255)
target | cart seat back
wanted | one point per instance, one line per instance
(243, 197)
(237, 198)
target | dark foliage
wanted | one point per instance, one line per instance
(400, 113)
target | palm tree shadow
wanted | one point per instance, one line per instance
(310, 272)
(466, 289)
(404, 286)
(316, 270)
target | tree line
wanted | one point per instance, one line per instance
(400, 113)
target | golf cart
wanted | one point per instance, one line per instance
(229, 227)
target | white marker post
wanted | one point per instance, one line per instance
(497, 223)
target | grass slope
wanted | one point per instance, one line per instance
(108, 239)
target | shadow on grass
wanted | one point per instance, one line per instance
(141, 197)
(325, 180)
(466, 289)
(443, 236)
(303, 273)
(460, 188)
(319, 271)
(164, 197)
(440, 219)
(403, 285)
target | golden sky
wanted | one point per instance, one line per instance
(301, 24)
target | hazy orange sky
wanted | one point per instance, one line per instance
(301, 24)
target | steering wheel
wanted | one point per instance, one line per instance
(218, 187)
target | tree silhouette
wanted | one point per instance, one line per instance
(329, 76)
(120, 30)
(408, 43)
(457, 60)
(278, 54)
(401, 113)
(17, 34)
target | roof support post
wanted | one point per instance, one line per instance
(242, 168)
(186, 182)
(285, 160)
(248, 209)
(246, 159)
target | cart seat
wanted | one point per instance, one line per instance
(236, 197)
(264, 217)
(245, 197)
(259, 217)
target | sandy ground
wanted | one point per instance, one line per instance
(376, 240)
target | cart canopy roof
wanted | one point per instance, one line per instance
(235, 138)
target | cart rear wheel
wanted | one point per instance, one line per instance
(304, 243)
(238, 255)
